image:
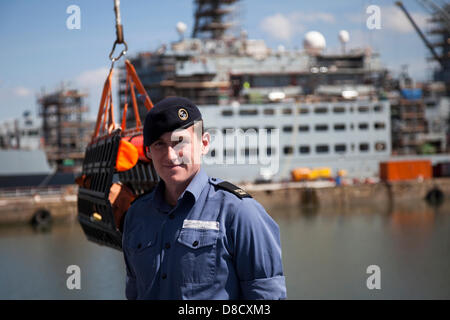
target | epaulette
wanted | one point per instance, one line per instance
(240, 193)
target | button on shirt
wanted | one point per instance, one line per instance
(211, 245)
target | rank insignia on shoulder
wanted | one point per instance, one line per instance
(240, 193)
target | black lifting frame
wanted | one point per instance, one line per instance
(95, 212)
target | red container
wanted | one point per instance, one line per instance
(405, 170)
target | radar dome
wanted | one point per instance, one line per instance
(181, 28)
(314, 42)
(344, 36)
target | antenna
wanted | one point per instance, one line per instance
(344, 37)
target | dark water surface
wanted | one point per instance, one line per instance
(326, 253)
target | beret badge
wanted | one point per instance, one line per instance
(183, 114)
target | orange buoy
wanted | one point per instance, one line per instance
(127, 156)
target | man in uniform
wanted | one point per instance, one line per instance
(196, 237)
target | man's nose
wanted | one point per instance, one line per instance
(174, 153)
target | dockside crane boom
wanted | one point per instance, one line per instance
(432, 7)
(422, 36)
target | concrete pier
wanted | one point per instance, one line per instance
(380, 197)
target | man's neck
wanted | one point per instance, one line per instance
(173, 191)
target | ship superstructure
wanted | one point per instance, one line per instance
(320, 108)
(325, 109)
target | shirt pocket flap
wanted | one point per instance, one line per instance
(198, 238)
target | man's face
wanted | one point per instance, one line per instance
(177, 155)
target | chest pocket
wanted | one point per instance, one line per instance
(143, 255)
(197, 251)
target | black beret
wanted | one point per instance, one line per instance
(168, 115)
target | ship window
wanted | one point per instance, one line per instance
(228, 153)
(379, 125)
(250, 152)
(270, 130)
(321, 110)
(33, 133)
(364, 147)
(340, 148)
(288, 150)
(339, 127)
(339, 109)
(303, 128)
(380, 146)
(270, 151)
(378, 108)
(303, 110)
(269, 111)
(363, 126)
(363, 109)
(322, 148)
(228, 130)
(248, 112)
(227, 113)
(287, 129)
(245, 129)
(304, 149)
(287, 111)
(321, 127)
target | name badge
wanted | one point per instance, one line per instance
(199, 224)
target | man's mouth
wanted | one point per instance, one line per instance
(172, 165)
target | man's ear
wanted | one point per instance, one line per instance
(206, 139)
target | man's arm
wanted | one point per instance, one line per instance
(130, 288)
(257, 253)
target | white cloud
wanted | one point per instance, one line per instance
(92, 78)
(313, 17)
(91, 82)
(393, 18)
(278, 26)
(21, 92)
(285, 27)
(17, 92)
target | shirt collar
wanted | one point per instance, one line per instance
(197, 184)
(195, 187)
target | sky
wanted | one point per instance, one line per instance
(39, 53)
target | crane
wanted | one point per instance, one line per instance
(422, 36)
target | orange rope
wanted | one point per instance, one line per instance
(132, 72)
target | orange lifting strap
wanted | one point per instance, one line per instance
(130, 148)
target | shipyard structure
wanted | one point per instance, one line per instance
(312, 108)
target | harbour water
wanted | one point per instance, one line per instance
(325, 253)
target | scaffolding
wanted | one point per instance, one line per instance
(65, 134)
(210, 18)
(440, 31)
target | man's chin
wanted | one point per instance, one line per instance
(176, 174)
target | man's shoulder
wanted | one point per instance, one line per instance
(229, 189)
(237, 201)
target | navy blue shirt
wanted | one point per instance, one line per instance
(211, 245)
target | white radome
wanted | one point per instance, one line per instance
(181, 28)
(344, 36)
(314, 42)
